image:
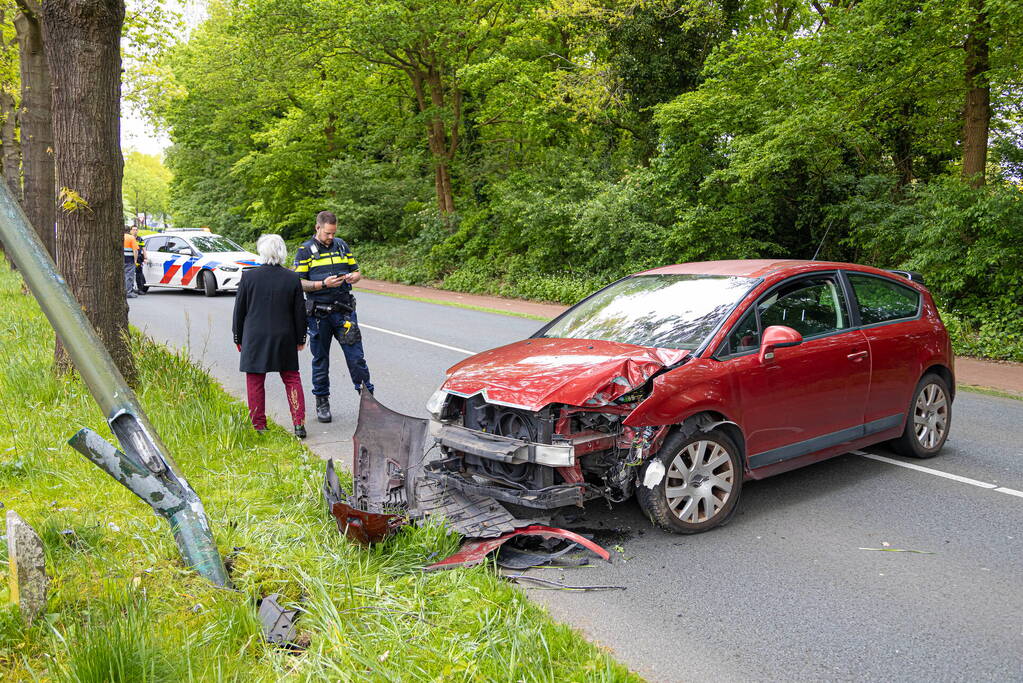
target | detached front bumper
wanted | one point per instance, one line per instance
(397, 470)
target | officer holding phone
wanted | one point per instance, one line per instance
(328, 270)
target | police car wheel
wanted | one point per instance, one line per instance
(209, 283)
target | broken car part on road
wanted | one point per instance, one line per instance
(144, 466)
(474, 552)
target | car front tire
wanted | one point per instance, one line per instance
(700, 485)
(209, 283)
(928, 421)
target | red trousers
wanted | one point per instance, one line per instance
(257, 397)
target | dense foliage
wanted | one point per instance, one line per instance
(540, 147)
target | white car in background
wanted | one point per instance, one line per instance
(195, 259)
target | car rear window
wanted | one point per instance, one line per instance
(881, 300)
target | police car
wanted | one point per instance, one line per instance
(195, 259)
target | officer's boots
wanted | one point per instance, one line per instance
(323, 408)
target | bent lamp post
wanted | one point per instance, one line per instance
(145, 466)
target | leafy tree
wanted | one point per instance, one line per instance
(146, 186)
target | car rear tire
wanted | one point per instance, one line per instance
(928, 420)
(209, 283)
(700, 485)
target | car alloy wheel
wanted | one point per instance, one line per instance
(930, 416)
(700, 485)
(929, 419)
(698, 482)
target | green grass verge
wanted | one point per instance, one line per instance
(990, 392)
(123, 608)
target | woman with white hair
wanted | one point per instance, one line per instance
(270, 329)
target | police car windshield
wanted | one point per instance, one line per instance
(213, 243)
(665, 311)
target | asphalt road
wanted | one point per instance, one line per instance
(788, 590)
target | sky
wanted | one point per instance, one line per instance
(136, 132)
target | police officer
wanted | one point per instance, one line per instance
(141, 258)
(328, 270)
(131, 255)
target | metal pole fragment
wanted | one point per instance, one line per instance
(146, 466)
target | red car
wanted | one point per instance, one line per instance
(679, 383)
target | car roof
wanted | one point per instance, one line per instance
(761, 268)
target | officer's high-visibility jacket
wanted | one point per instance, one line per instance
(130, 247)
(317, 262)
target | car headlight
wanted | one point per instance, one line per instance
(435, 405)
(228, 269)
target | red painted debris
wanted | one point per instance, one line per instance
(365, 527)
(473, 552)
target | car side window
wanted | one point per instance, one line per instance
(811, 306)
(173, 244)
(881, 300)
(745, 335)
(154, 243)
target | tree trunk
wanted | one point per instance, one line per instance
(443, 144)
(36, 120)
(977, 112)
(82, 43)
(9, 140)
(902, 147)
(11, 153)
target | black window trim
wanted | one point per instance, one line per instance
(854, 300)
(834, 274)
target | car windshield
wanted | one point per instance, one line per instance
(213, 243)
(666, 311)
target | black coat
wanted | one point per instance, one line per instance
(269, 319)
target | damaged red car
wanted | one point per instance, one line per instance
(674, 385)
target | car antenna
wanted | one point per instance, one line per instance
(826, 231)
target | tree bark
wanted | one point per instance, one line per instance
(81, 39)
(977, 111)
(902, 147)
(443, 140)
(11, 153)
(9, 140)
(36, 120)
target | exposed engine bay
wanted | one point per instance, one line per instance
(541, 460)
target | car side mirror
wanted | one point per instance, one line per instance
(183, 250)
(778, 337)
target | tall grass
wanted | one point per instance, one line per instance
(122, 606)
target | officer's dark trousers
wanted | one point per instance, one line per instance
(321, 331)
(140, 278)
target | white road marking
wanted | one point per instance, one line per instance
(418, 339)
(939, 473)
(880, 458)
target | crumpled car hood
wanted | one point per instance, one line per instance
(533, 373)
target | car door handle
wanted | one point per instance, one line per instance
(857, 356)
